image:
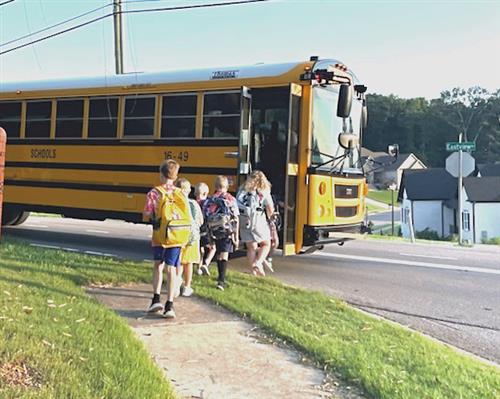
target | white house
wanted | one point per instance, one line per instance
(481, 208)
(429, 201)
(428, 196)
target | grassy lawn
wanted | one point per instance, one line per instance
(387, 361)
(383, 196)
(62, 343)
(374, 208)
(75, 348)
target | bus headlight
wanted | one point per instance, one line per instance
(322, 188)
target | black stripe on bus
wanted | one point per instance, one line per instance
(77, 186)
(119, 168)
(130, 142)
(82, 213)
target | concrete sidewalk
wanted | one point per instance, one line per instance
(207, 352)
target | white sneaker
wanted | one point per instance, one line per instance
(188, 291)
(154, 307)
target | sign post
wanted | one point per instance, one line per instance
(3, 145)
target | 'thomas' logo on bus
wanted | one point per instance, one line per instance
(225, 74)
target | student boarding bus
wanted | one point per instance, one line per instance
(90, 148)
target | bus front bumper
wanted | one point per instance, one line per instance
(320, 235)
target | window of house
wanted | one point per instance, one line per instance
(466, 220)
(103, 116)
(221, 115)
(69, 119)
(10, 117)
(178, 116)
(139, 116)
(38, 116)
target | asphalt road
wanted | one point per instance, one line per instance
(447, 292)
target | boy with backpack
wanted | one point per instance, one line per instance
(167, 208)
(221, 215)
(191, 252)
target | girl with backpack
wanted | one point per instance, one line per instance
(207, 246)
(191, 252)
(256, 206)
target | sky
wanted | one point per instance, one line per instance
(406, 48)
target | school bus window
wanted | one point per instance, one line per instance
(69, 120)
(178, 116)
(103, 114)
(38, 116)
(139, 116)
(221, 115)
(10, 118)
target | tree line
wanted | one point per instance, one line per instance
(424, 126)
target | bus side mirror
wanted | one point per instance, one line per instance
(364, 116)
(345, 101)
(393, 150)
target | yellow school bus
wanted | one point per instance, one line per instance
(90, 148)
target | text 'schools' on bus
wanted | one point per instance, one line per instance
(90, 148)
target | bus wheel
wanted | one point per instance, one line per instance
(10, 215)
(21, 219)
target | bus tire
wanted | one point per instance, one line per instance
(10, 215)
(21, 219)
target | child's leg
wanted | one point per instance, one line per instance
(251, 253)
(222, 267)
(188, 274)
(210, 253)
(158, 266)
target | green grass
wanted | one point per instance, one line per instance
(383, 196)
(386, 360)
(78, 348)
(374, 208)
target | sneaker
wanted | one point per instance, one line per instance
(188, 291)
(155, 306)
(199, 272)
(169, 312)
(204, 270)
(220, 285)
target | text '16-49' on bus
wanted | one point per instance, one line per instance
(90, 148)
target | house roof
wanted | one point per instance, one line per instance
(389, 163)
(483, 189)
(492, 169)
(428, 184)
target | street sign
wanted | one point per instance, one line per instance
(464, 146)
(468, 164)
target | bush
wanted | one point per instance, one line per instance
(492, 241)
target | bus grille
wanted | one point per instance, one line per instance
(346, 211)
(345, 191)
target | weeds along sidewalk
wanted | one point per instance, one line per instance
(101, 357)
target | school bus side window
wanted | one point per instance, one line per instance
(10, 118)
(139, 116)
(38, 115)
(178, 116)
(69, 120)
(221, 115)
(103, 115)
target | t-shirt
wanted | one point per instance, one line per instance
(153, 196)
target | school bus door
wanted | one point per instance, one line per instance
(291, 170)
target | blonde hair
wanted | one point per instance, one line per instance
(257, 181)
(184, 185)
(169, 169)
(200, 188)
(221, 182)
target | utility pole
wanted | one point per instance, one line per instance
(460, 177)
(118, 32)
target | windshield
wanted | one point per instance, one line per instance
(326, 127)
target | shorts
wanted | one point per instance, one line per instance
(171, 256)
(224, 245)
(205, 241)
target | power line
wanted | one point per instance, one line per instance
(177, 8)
(6, 2)
(56, 25)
